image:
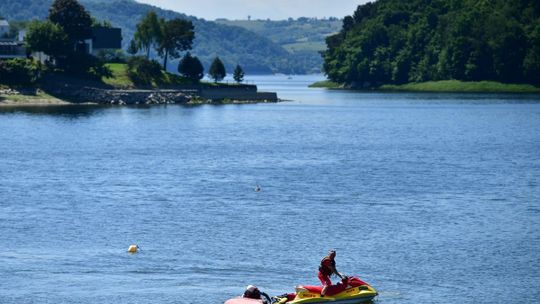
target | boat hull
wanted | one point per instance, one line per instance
(341, 294)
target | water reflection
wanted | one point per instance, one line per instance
(72, 111)
(82, 111)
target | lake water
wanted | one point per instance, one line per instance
(432, 198)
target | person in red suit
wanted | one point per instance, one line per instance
(327, 269)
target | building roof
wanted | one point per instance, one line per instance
(10, 43)
(4, 23)
(106, 38)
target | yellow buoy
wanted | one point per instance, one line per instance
(133, 249)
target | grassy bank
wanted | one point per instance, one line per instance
(121, 79)
(463, 86)
(74, 90)
(31, 99)
(445, 86)
(326, 84)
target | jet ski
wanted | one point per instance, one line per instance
(242, 300)
(351, 290)
(252, 295)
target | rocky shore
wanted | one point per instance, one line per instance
(69, 94)
(121, 97)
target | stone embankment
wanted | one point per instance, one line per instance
(125, 97)
(83, 94)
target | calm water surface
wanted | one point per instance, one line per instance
(432, 198)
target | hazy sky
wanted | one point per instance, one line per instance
(259, 9)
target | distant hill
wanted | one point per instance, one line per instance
(302, 37)
(233, 44)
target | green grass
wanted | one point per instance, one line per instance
(327, 84)
(120, 78)
(253, 25)
(294, 36)
(305, 46)
(463, 86)
(447, 86)
(40, 96)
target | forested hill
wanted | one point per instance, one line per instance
(234, 45)
(302, 37)
(395, 42)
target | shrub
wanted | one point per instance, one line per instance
(18, 72)
(143, 71)
(86, 66)
(112, 56)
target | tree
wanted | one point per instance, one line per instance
(102, 23)
(531, 63)
(47, 37)
(217, 70)
(176, 36)
(73, 18)
(143, 71)
(348, 23)
(191, 67)
(392, 42)
(238, 74)
(133, 48)
(148, 32)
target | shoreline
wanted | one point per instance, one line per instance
(58, 103)
(84, 95)
(443, 86)
(32, 101)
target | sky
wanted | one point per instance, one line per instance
(259, 9)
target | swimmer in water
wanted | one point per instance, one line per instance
(258, 188)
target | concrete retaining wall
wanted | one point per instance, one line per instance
(237, 94)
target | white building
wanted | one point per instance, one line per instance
(10, 47)
(4, 28)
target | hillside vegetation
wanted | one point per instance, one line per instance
(234, 45)
(398, 42)
(304, 37)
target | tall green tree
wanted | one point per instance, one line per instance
(191, 67)
(531, 63)
(238, 74)
(73, 18)
(47, 37)
(217, 70)
(133, 48)
(176, 36)
(148, 33)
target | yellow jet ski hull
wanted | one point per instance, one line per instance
(356, 295)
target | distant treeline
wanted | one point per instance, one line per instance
(396, 42)
(234, 45)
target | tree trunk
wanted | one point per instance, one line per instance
(148, 53)
(165, 61)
